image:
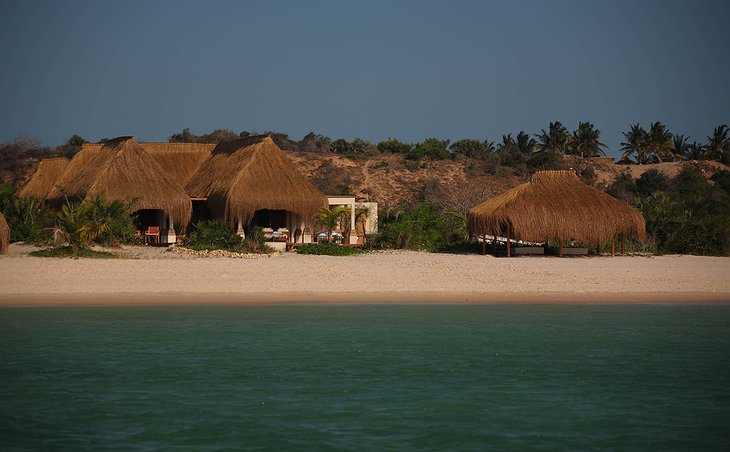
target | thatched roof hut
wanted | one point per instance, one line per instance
(122, 169)
(179, 160)
(4, 234)
(243, 176)
(47, 174)
(556, 205)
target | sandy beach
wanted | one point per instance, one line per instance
(149, 275)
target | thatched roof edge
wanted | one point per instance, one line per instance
(44, 178)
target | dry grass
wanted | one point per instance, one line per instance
(251, 174)
(556, 205)
(4, 235)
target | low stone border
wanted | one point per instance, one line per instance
(218, 253)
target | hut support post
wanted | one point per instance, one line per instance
(352, 240)
(560, 247)
(307, 233)
(494, 243)
(613, 246)
(623, 236)
(170, 236)
(484, 242)
(508, 240)
(239, 229)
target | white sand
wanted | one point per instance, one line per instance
(157, 276)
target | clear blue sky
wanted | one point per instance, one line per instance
(371, 69)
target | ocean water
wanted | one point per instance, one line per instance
(365, 377)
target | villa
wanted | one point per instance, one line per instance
(247, 182)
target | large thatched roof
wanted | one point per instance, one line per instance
(179, 160)
(251, 174)
(47, 174)
(77, 164)
(122, 169)
(556, 205)
(4, 234)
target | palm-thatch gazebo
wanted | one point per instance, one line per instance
(556, 205)
(121, 169)
(251, 182)
(4, 234)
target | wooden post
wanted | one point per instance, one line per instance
(508, 239)
(623, 236)
(494, 242)
(598, 249)
(484, 241)
(560, 247)
(613, 245)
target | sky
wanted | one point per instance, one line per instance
(371, 69)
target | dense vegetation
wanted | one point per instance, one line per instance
(218, 235)
(328, 249)
(94, 221)
(421, 227)
(686, 214)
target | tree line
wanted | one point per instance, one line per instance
(640, 146)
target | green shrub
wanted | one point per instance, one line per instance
(116, 216)
(624, 188)
(213, 235)
(432, 148)
(29, 219)
(68, 251)
(651, 181)
(218, 235)
(419, 228)
(328, 249)
(394, 146)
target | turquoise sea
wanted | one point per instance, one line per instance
(365, 377)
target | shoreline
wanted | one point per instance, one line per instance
(356, 298)
(156, 276)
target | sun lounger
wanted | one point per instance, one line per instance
(528, 251)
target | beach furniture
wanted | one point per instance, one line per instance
(152, 235)
(528, 251)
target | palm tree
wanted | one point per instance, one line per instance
(508, 143)
(680, 146)
(694, 151)
(660, 142)
(329, 218)
(718, 145)
(525, 143)
(636, 143)
(361, 217)
(585, 141)
(78, 225)
(554, 140)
